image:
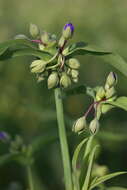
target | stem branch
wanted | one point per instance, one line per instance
(30, 179)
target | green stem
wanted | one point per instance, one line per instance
(30, 178)
(63, 140)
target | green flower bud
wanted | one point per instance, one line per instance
(45, 38)
(94, 126)
(61, 42)
(75, 79)
(53, 80)
(111, 80)
(38, 66)
(34, 30)
(68, 31)
(65, 80)
(100, 94)
(74, 73)
(73, 63)
(106, 107)
(110, 92)
(99, 171)
(79, 125)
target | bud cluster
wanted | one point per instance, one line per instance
(102, 97)
(57, 70)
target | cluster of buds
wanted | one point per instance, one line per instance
(108, 91)
(103, 96)
(58, 71)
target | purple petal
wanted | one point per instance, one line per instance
(70, 25)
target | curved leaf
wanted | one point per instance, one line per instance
(114, 59)
(120, 102)
(89, 170)
(105, 178)
(25, 52)
(82, 48)
(74, 163)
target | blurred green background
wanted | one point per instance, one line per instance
(28, 109)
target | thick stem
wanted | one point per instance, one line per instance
(30, 178)
(63, 140)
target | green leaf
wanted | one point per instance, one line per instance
(74, 163)
(116, 188)
(16, 42)
(89, 170)
(114, 59)
(105, 178)
(82, 48)
(25, 52)
(120, 102)
(8, 157)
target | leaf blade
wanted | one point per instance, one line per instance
(120, 102)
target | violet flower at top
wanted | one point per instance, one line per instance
(68, 30)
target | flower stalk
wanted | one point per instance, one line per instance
(63, 140)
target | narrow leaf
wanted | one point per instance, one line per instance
(105, 178)
(82, 48)
(120, 102)
(25, 52)
(74, 163)
(89, 170)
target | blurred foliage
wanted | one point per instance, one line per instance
(28, 109)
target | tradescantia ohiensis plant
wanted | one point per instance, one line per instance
(55, 61)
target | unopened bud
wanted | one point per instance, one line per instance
(100, 94)
(73, 63)
(94, 126)
(79, 125)
(111, 80)
(75, 79)
(61, 42)
(38, 66)
(74, 73)
(110, 92)
(53, 80)
(34, 30)
(99, 170)
(45, 38)
(68, 31)
(65, 80)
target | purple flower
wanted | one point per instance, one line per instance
(70, 25)
(68, 31)
(4, 136)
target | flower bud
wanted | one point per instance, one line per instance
(65, 80)
(100, 94)
(99, 170)
(74, 73)
(111, 80)
(79, 125)
(94, 126)
(34, 30)
(68, 31)
(45, 38)
(61, 42)
(53, 80)
(110, 92)
(75, 79)
(38, 66)
(73, 63)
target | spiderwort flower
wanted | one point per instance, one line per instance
(68, 30)
(4, 136)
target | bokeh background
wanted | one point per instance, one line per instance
(28, 109)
